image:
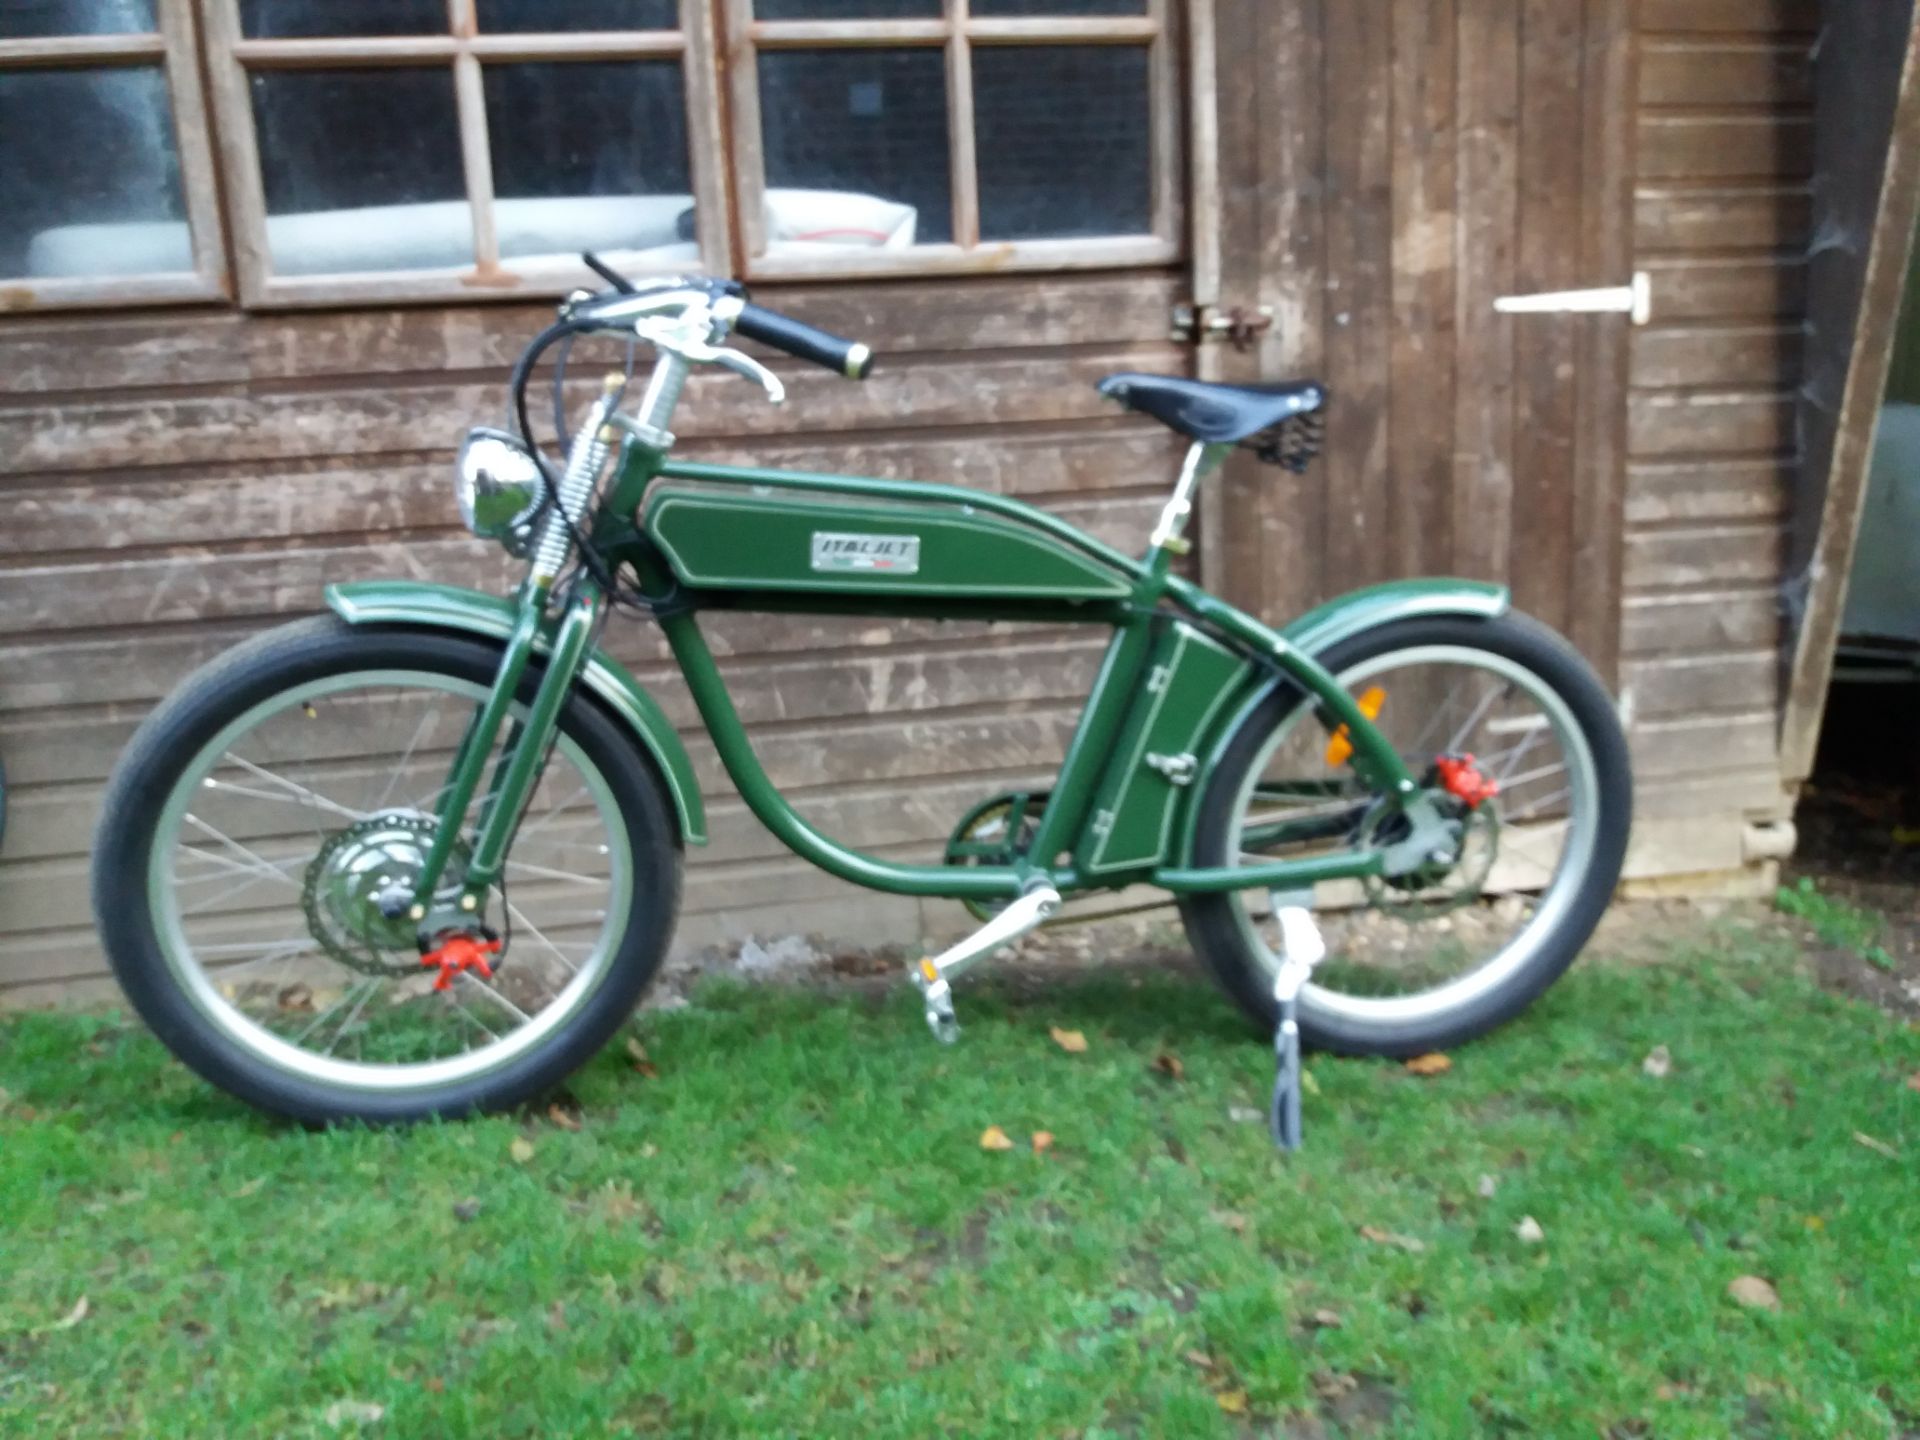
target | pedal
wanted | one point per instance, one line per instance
(939, 997)
(1301, 948)
(935, 974)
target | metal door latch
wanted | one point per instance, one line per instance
(1239, 326)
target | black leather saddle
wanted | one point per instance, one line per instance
(1217, 414)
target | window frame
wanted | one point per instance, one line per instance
(173, 44)
(958, 32)
(233, 58)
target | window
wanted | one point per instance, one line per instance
(459, 149)
(106, 188)
(423, 149)
(875, 136)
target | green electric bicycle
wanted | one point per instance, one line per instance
(421, 855)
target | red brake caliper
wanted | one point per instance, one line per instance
(1462, 778)
(457, 953)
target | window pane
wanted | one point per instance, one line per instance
(995, 9)
(22, 19)
(1063, 140)
(362, 170)
(591, 156)
(856, 148)
(847, 9)
(89, 175)
(523, 16)
(282, 19)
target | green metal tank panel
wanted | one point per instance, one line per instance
(726, 539)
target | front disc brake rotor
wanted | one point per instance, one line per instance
(370, 862)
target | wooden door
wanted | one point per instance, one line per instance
(1385, 170)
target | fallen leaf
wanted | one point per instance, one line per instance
(1528, 1231)
(1913, 1083)
(295, 997)
(1387, 1237)
(467, 1209)
(1658, 1064)
(1753, 1292)
(1233, 1220)
(352, 1412)
(1233, 1402)
(74, 1316)
(1429, 1065)
(1071, 1041)
(636, 1051)
(521, 1150)
(1814, 1223)
(562, 1117)
(1879, 1147)
(1169, 1065)
(252, 1187)
(1487, 1186)
(1308, 1084)
(1199, 1359)
(1672, 1392)
(1325, 1320)
(994, 1138)
(1244, 1114)
(1042, 1141)
(435, 1385)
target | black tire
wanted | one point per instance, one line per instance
(1213, 926)
(268, 665)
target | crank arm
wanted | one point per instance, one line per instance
(934, 974)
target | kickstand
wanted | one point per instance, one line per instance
(1301, 948)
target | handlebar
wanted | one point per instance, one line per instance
(780, 332)
(804, 342)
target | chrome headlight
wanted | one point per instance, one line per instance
(499, 488)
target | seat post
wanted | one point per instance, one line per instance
(1170, 533)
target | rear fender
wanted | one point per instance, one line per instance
(447, 607)
(1317, 632)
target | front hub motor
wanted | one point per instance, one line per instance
(359, 891)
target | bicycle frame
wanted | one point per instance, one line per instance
(1150, 601)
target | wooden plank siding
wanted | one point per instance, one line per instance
(176, 481)
(1722, 225)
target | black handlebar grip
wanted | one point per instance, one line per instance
(844, 357)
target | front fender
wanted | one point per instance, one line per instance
(1318, 631)
(447, 607)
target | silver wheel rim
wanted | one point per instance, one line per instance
(1581, 785)
(512, 1032)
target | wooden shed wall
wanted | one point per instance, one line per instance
(177, 480)
(1725, 156)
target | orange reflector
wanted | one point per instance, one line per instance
(930, 970)
(1340, 747)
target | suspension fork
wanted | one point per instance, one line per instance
(522, 759)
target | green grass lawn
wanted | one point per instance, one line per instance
(792, 1229)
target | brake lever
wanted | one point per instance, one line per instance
(682, 340)
(744, 364)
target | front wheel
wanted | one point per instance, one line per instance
(1491, 898)
(255, 832)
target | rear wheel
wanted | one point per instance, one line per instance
(261, 822)
(1490, 901)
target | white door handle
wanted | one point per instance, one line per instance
(1635, 300)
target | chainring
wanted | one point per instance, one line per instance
(356, 865)
(999, 831)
